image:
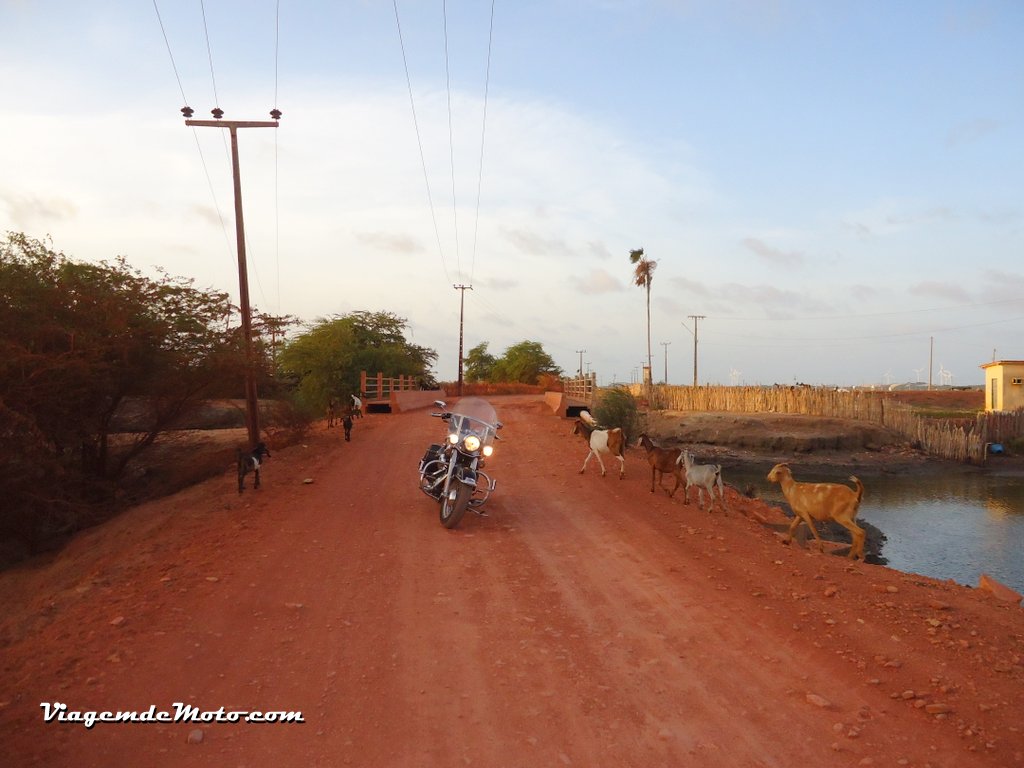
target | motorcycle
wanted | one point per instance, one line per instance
(452, 473)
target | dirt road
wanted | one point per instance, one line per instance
(584, 622)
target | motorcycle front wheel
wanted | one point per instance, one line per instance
(454, 503)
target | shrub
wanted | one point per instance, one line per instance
(618, 408)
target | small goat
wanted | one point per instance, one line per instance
(250, 462)
(610, 441)
(346, 424)
(822, 501)
(662, 460)
(705, 477)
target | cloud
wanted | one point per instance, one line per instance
(773, 255)
(970, 132)
(599, 281)
(386, 241)
(933, 288)
(599, 249)
(535, 244)
(28, 211)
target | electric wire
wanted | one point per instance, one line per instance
(249, 258)
(277, 185)
(419, 142)
(483, 133)
(195, 135)
(167, 42)
(891, 313)
(770, 341)
(451, 137)
(209, 54)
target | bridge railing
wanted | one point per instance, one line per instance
(582, 388)
(378, 388)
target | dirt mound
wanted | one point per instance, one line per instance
(769, 432)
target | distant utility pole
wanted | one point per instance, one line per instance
(462, 300)
(665, 345)
(580, 353)
(251, 400)
(695, 318)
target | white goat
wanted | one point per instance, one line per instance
(610, 441)
(704, 476)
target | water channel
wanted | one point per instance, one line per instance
(954, 524)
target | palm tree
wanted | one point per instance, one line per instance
(643, 274)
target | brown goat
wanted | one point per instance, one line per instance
(822, 501)
(662, 460)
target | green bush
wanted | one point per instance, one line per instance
(618, 408)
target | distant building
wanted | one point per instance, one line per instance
(1004, 385)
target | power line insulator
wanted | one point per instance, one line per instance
(217, 112)
(275, 113)
(187, 111)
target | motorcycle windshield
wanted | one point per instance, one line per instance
(473, 415)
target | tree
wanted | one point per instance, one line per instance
(643, 274)
(479, 363)
(525, 363)
(78, 341)
(324, 362)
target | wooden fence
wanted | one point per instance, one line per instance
(378, 388)
(583, 388)
(945, 438)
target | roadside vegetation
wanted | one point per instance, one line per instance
(98, 361)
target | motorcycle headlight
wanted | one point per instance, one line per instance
(488, 450)
(472, 443)
(453, 439)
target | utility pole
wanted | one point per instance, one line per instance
(251, 400)
(462, 300)
(665, 345)
(580, 353)
(695, 318)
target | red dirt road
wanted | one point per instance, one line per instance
(584, 622)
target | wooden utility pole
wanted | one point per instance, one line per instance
(580, 353)
(695, 318)
(462, 303)
(252, 416)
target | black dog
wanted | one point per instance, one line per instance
(347, 424)
(250, 462)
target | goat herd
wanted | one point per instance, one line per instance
(809, 501)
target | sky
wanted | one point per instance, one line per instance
(835, 190)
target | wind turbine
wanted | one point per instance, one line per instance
(734, 376)
(917, 375)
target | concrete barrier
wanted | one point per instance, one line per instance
(556, 402)
(411, 399)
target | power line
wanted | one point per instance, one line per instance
(451, 137)
(831, 339)
(892, 313)
(483, 133)
(171, 55)
(419, 141)
(195, 135)
(277, 165)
